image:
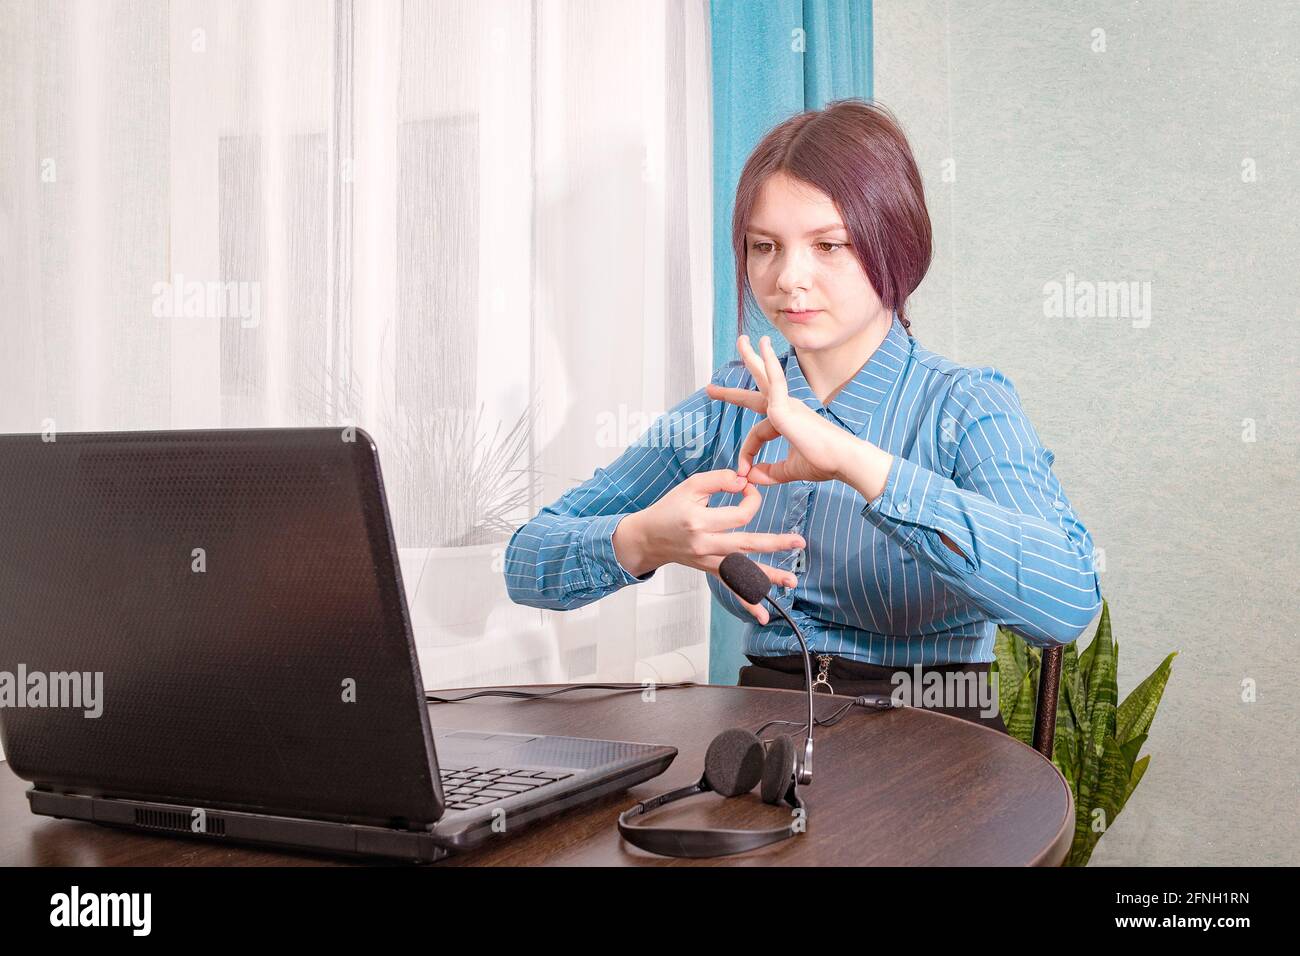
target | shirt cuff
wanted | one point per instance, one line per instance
(899, 509)
(600, 561)
(911, 511)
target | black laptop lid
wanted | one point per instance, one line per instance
(280, 677)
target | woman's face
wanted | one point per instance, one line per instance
(799, 259)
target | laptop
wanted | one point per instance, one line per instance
(206, 633)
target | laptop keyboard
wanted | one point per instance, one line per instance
(473, 787)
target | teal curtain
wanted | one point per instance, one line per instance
(771, 60)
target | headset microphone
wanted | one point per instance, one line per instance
(736, 759)
(749, 582)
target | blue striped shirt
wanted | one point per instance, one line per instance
(876, 582)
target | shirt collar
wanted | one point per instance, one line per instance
(859, 397)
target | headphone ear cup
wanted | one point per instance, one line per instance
(778, 769)
(734, 762)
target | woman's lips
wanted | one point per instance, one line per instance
(801, 317)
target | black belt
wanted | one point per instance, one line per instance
(846, 668)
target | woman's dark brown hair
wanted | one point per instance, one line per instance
(854, 152)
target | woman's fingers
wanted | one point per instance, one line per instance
(767, 374)
(770, 473)
(705, 484)
(772, 369)
(755, 610)
(752, 362)
(762, 433)
(725, 542)
(777, 576)
(737, 516)
(743, 397)
(782, 579)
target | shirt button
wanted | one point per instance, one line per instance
(902, 506)
(1058, 504)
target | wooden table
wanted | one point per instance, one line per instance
(898, 787)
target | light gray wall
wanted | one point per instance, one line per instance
(1128, 166)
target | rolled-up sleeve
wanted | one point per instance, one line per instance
(1026, 559)
(564, 558)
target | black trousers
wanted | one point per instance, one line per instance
(853, 678)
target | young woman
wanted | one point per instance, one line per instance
(908, 506)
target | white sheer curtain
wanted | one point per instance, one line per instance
(479, 230)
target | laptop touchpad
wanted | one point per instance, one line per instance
(465, 748)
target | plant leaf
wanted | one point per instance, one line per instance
(1131, 749)
(1086, 658)
(1139, 707)
(1019, 719)
(1107, 797)
(1009, 670)
(1065, 745)
(1097, 743)
(1135, 777)
(1100, 700)
(1072, 686)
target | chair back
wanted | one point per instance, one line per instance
(1049, 688)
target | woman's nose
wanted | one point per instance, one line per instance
(794, 273)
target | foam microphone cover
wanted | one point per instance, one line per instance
(734, 762)
(744, 577)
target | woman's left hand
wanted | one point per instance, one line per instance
(819, 450)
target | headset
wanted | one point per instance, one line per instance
(736, 761)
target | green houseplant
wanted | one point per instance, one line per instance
(1097, 739)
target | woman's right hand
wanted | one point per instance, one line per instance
(681, 528)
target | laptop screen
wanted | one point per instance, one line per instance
(236, 595)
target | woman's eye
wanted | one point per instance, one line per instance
(827, 247)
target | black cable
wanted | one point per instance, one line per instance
(830, 721)
(538, 695)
